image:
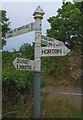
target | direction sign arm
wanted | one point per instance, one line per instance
(21, 30)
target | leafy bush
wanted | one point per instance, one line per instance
(12, 77)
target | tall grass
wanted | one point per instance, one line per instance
(59, 107)
(56, 107)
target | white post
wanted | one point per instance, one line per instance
(38, 16)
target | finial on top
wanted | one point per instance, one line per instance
(38, 12)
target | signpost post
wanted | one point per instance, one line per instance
(38, 16)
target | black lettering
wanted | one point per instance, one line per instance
(18, 67)
(29, 67)
(55, 51)
(53, 44)
(44, 42)
(18, 60)
(14, 30)
(20, 28)
(22, 61)
(52, 51)
(45, 51)
(24, 67)
(10, 31)
(49, 51)
(31, 26)
(50, 44)
(45, 38)
(27, 26)
(42, 37)
(60, 50)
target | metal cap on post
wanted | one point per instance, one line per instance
(38, 16)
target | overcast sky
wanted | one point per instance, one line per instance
(20, 13)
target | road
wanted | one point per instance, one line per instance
(62, 90)
(72, 94)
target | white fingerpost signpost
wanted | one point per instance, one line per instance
(53, 48)
(38, 16)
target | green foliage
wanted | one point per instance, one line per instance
(27, 51)
(24, 79)
(54, 65)
(11, 76)
(67, 24)
(43, 83)
(4, 25)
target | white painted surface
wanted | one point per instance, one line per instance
(54, 51)
(24, 64)
(78, 94)
(21, 30)
(38, 16)
(51, 44)
(50, 41)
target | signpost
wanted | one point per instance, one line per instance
(53, 48)
(24, 64)
(48, 41)
(21, 30)
(51, 44)
(54, 51)
(38, 16)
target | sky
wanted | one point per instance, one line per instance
(21, 13)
